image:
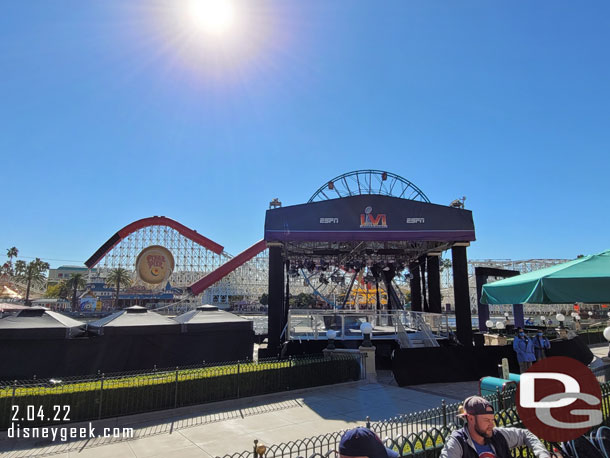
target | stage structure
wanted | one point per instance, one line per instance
(367, 229)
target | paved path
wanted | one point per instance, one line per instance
(227, 427)
(222, 428)
(600, 351)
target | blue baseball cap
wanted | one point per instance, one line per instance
(362, 441)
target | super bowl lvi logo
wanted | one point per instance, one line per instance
(154, 264)
(369, 220)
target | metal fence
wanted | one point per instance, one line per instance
(411, 433)
(419, 435)
(109, 395)
(593, 335)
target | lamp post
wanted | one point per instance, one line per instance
(500, 326)
(331, 334)
(561, 331)
(561, 318)
(607, 337)
(366, 329)
(577, 322)
(543, 321)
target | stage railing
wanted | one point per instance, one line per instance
(312, 324)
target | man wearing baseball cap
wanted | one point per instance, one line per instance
(362, 442)
(479, 438)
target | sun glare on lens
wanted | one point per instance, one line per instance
(216, 17)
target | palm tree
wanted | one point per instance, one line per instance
(118, 277)
(76, 281)
(34, 271)
(60, 290)
(11, 253)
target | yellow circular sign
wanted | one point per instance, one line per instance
(154, 264)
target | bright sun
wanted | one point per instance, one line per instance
(215, 17)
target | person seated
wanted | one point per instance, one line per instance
(480, 438)
(361, 442)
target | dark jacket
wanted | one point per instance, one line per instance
(541, 344)
(524, 347)
(460, 445)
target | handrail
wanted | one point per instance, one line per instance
(308, 324)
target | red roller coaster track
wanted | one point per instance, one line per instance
(203, 283)
(228, 267)
(152, 221)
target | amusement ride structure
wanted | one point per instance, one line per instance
(341, 274)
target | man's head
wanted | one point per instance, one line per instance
(479, 414)
(362, 442)
(520, 332)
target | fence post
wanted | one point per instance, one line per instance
(238, 371)
(99, 413)
(368, 422)
(444, 410)
(499, 395)
(176, 390)
(255, 445)
(363, 362)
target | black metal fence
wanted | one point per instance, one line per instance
(110, 395)
(415, 435)
(592, 335)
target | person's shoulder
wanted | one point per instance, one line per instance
(458, 434)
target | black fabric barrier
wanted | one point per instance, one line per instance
(574, 348)
(47, 358)
(414, 366)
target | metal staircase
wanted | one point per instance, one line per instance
(423, 335)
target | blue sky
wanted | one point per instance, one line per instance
(113, 111)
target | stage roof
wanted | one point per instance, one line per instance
(369, 218)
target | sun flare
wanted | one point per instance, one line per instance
(216, 17)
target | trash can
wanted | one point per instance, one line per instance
(489, 386)
(514, 378)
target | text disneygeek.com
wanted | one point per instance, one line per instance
(65, 433)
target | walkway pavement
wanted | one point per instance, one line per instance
(217, 429)
(600, 351)
(223, 428)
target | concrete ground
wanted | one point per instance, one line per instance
(600, 351)
(217, 429)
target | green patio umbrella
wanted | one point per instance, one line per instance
(585, 279)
